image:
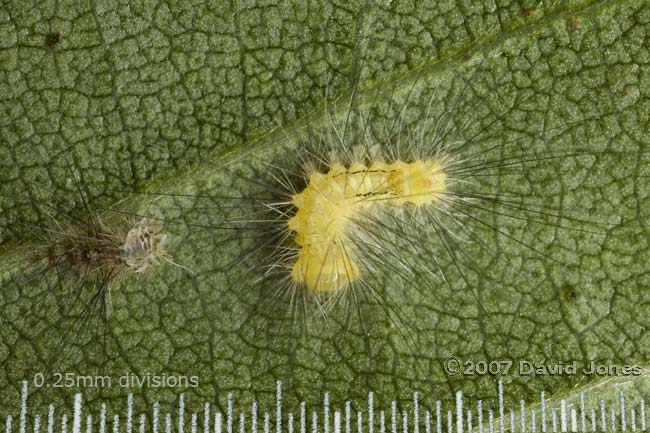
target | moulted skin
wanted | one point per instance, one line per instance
(331, 201)
(96, 248)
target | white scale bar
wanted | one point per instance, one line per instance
(129, 414)
(156, 412)
(303, 421)
(278, 407)
(348, 413)
(533, 424)
(76, 414)
(623, 416)
(102, 418)
(229, 414)
(543, 413)
(206, 418)
(23, 407)
(371, 397)
(416, 413)
(501, 408)
(326, 413)
(50, 419)
(254, 418)
(459, 412)
(217, 422)
(583, 421)
(181, 412)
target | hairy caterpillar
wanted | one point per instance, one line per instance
(332, 200)
(385, 207)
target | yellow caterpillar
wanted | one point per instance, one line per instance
(325, 262)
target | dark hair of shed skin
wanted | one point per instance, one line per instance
(69, 268)
(67, 272)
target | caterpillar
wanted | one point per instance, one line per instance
(330, 201)
(355, 224)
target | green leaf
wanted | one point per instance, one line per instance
(139, 103)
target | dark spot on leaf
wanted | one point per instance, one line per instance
(52, 39)
(569, 294)
(526, 12)
(572, 24)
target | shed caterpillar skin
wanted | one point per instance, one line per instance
(99, 249)
(66, 274)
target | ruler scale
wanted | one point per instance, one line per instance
(621, 415)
